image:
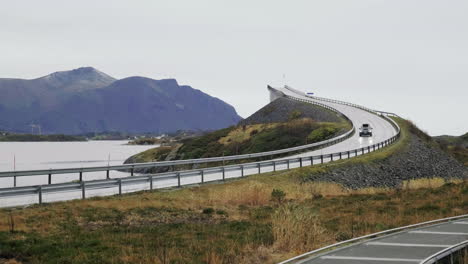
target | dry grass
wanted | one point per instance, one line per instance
(244, 133)
(296, 229)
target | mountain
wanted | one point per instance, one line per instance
(87, 100)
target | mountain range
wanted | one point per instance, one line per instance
(86, 100)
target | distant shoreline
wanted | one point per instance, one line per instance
(40, 138)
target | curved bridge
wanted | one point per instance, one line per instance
(71, 183)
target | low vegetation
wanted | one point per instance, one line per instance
(262, 219)
(254, 138)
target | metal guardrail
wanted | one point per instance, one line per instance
(340, 102)
(179, 175)
(362, 239)
(133, 166)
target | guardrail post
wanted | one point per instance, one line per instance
(368, 149)
(311, 160)
(132, 170)
(50, 178)
(258, 164)
(151, 182)
(242, 170)
(178, 179)
(224, 174)
(107, 174)
(274, 165)
(300, 162)
(321, 159)
(83, 190)
(120, 186)
(202, 174)
(362, 151)
(348, 154)
(331, 157)
(40, 194)
(355, 153)
(288, 164)
(373, 146)
(340, 156)
(81, 176)
(14, 181)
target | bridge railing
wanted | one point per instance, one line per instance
(340, 102)
(450, 254)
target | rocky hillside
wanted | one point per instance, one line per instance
(284, 109)
(415, 156)
(87, 100)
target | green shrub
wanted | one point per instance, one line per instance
(208, 211)
(278, 195)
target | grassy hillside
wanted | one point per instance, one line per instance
(282, 123)
(260, 219)
(248, 139)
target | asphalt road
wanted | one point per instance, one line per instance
(382, 129)
(411, 246)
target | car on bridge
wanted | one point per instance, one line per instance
(365, 130)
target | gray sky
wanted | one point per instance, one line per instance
(403, 56)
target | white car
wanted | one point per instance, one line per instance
(365, 130)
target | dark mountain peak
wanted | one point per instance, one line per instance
(83, 78)
(87, 100)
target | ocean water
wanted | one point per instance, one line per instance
(54, 155)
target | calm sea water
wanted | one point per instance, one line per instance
(54, 155)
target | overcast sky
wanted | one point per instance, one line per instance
(403, 56)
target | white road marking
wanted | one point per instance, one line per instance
(439, 233)
(375, 259)
(406, 245)
(461, 223)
